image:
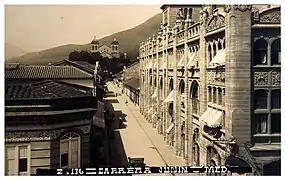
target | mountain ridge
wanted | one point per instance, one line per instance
(129, 42)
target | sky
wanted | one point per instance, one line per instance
(38, 27)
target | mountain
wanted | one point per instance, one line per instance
(129, 42)
(13, 51)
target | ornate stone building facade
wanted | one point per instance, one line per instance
(210, 84)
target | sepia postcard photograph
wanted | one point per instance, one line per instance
(142, 89)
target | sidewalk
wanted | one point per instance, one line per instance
(165, 156)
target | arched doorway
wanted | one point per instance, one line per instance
(195, 98)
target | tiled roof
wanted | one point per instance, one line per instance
(40, 90)
(133, 82)
(85, 64)
(44, 72)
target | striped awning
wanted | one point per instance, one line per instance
(181, 62)
(170, 97)
(219, 59)
(192, 61)
(169, 128)
(212, 117)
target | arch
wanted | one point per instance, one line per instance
(214, 91)
(171, 85)
(196, 135)
(260, 51)
(70, 146)
(276, 52)
(214, 49)
(195, 97)
(155, 82)
(160, 83)
(220, 45)
(181, 86)
(220, 96)
(260, 99)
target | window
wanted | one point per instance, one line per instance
(17, 160)
(260, 52)
(276, 99)
(260, 99)
(70, 151)
(210, 53)
(92, 47)
(195, 99)
(275, 123)
(261, 123)
(209, 94)
(220, 96)
(276, 53)
(214, 96)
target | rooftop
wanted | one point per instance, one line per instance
(17, 71)
(40, 90)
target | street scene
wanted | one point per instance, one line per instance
(175, 90)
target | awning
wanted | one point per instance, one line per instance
(149, 65)
(206, 113)
(154, 94)
(163, 66)
(149, 110)
(214, 119)
(154, 114)
(219, 59)
(170, 128)
(170, 97)
(181, 62)
(193, 59)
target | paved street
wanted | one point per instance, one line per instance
(137, 138)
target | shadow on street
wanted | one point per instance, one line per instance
(118, 157)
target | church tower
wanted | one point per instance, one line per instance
(115, 48)
(95, 45)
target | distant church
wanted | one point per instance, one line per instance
(105, 50)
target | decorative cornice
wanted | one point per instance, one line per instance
(239, 7)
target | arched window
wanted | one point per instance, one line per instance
(196, 154)
(260, 52)
(276, 99)
(220, 45)
(93, 48)
(195, 98)
(70, 150)
(154, 81)
(220, 96)
(214, 95)
(160, 83)
(214, 50)
(260, 99)
(209, 94)
(150, 80)
(170, 109)
(181, 86)
(276, 52)
(171, 86)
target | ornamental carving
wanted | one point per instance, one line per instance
(271, 17)
(216, 78)
(215, 23)
(31, 136)
(276, 78)
(260, 78)
(239, 7)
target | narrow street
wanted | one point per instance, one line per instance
(136, 138)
